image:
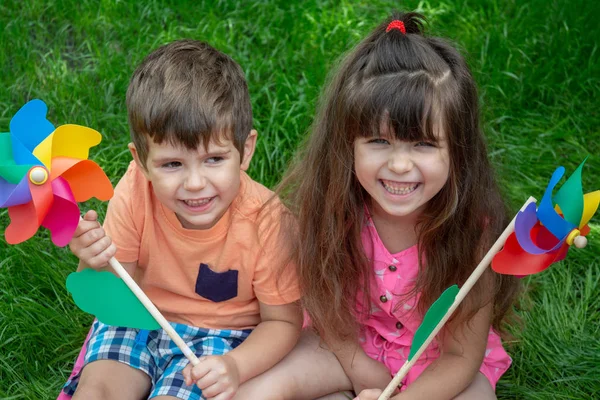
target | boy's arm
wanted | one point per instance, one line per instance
(270, 341)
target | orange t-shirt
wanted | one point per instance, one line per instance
(237, 263)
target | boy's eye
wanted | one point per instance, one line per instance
(172, 164)
(214, 160)
(379, 141)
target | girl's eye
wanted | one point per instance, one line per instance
(426, 144)
(172, 164)
(214, 160)
(379, 141)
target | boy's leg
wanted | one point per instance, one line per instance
(308, 372)
(108, 379)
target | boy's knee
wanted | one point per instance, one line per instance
(94, 390)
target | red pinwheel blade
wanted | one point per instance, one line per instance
(23, 225)
(85, 178)
(513, 260)
(27, 218)
(63, 217)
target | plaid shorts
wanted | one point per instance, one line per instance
(154, 353)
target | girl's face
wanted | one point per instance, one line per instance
(401, 177)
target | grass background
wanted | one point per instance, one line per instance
(537, 66)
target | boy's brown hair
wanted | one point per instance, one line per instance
(185, 92)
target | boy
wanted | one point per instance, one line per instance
(200, 237)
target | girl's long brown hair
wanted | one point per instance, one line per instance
(410, 82)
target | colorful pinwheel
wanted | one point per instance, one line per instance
(44, 172)
(543, 237)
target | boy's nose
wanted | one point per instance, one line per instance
(194, 181)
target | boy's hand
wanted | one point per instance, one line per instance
(217, 376)
(369, 394)
(90, 243)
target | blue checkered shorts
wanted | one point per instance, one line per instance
(154, 353)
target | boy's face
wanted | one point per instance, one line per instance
(197, 185)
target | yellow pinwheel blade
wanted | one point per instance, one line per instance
(590, 205)
(67, 141)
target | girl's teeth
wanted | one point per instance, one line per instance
(196, 203)
(404, 190)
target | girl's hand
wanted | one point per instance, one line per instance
(217, 376)
(90, 243)
(369, 394)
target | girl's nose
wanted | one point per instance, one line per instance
(400, 162)
(194, 181)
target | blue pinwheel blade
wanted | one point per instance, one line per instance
(546, 213)
(30, 126)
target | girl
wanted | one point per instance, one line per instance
(396, 200)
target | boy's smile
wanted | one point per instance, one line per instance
(197, 185)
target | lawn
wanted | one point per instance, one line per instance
(537, 66)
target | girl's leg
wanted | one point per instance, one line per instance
(308, 372)
(480, 389)
(108, 379)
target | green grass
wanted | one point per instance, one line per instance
(537, 66)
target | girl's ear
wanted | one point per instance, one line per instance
(136, 157)
(249, 148)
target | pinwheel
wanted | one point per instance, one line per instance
(44, 172)
(534, 239)
(543, 236)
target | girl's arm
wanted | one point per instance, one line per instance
(462, 352)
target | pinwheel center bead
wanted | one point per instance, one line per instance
(575, 238)
(38, 175)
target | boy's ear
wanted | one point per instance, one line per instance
(249, 148)
(136, 157)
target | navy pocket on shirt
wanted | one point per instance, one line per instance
(217, 286)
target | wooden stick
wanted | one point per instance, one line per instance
(463, 292)
(137, 291)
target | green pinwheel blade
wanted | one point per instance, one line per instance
(570, 197)
(108, 298)
(432, 318)
(9, 170)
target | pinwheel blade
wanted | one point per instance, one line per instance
(9, 170)
(513, 260)
(30, 126)
(14, 195)
(69, 140)
(548, 215)
(63, 216)
(23, 225)
(570, 197)
(85, 178)
(524, 224)
(590, 206)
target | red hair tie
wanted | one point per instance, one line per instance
(396, 24)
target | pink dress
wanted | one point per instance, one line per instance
(391, 325)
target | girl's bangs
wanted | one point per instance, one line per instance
(409, 108)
